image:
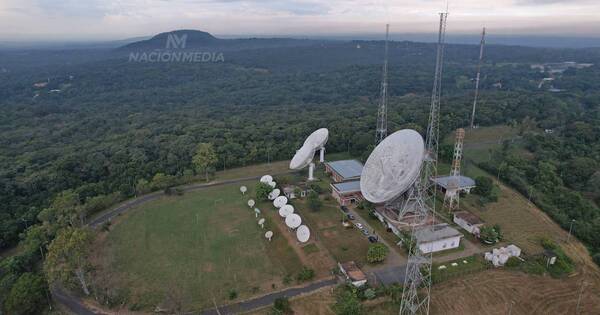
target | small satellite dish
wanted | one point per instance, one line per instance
(280, 201)
(276, 192)
(302, 158)
(393, 166)
(269, 235)
(266, 179)
(251, 203)
(243, 189)
(317, 139)
(293, 221)
(303, 233)
(256, 212)
(272, 184)
(261, 222)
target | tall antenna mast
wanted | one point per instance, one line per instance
(478, 77)
(418, 268)
(382, 110)
(451, 198)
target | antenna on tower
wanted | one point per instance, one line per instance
(478, 77)
(382, 110)
(418, 268)
(452, 196)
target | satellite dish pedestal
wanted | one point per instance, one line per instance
(322, 155)
(311, 170)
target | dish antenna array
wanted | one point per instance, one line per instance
(418, 268)
(451, 198)
(478, 76)
(382, 110)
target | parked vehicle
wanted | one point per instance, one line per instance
(350, 216)
(344, 209)
(373, 239)
(365, 232)
(359, 225)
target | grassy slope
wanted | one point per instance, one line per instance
(204, 243)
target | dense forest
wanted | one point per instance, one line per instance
(100, 128)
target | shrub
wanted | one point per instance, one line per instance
(369, 294)
(316, 188)
(282, 306)
(105, 226)
(287, 279)
(233, 294)
(313, 201)
(347, 302)
(513, 262)
(484, 186)
(596, 258)
(262, 191)
(377, 253)
(305, 274)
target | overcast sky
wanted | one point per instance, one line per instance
(118, 19)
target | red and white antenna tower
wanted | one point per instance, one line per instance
(478, 77)
(451, 199)
(382, 110)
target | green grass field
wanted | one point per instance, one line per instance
(198, 246)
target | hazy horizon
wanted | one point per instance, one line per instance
(101, 20)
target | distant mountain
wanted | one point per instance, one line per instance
(199, 40)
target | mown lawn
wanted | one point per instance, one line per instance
(196, 248)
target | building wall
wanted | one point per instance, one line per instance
(346, 199)
(440, 245)
(473, 229)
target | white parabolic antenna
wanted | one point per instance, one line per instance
(317, 139)
(303, 233)
(274, 194)
(302, 158)
(269, 234)
(272, 184)
(287, 210)
(293, 221)
(251, 203)
(393, 166)
(266, 179)
(261, 221)
(243, 189)
(280, 201)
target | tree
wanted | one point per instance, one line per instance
(313, 201)
(484, 186)
(67, 257)
(282, 306)
(142, 187)
(65, 210)
(204, 158)
(347, 303)
(27, 295)
(262, 191)
(377, 253)
(488, 235)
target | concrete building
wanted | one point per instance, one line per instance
(353, 274)
(344, 170)
(347, 193)
(468, 221)
(438, 238)
(465, 184)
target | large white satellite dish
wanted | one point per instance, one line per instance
(288, 209)
(317, 139)
(269, 235)
(393, 166)
(293, 221)
(251, 203)
(272, 184)
(274, 194)
(303, 233)
(302, 158)
(280, 201)
(266, 179)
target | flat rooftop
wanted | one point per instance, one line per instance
(468, 217)
(446, 181)
(347, 187)
(436, 233)
(347, 168)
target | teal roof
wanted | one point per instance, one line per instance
(347, 187)
(347, 168)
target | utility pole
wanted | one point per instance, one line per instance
(382, 109)
(579, 298)
(570, 230)
(478, 77)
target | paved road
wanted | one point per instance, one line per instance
(75, 305)
(268, 299)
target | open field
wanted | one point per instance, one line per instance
(194, 249)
